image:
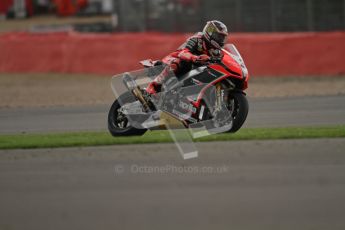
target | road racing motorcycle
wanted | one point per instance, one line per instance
(209, 97)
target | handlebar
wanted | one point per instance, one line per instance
(215, 59)
(212, 60)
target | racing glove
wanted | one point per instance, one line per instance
(186, 55)
(203, 58)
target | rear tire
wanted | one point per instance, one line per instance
(240, 111)
(113, 122)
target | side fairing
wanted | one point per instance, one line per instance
(200, 76)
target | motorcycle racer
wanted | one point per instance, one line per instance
(197, 50)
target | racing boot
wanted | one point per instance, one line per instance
(156, 85)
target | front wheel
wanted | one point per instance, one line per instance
(118, 124)
(238, 105)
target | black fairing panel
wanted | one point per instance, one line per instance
(201, 75)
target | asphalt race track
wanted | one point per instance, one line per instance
(290, 184)
(280, 112)
(280, 184)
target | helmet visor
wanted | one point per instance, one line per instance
(219, 38)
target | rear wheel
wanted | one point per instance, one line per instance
(118, 123)
(238, 105)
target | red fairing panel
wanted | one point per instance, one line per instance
(232, 64)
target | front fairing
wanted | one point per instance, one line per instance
(233, 66)
(234, 61)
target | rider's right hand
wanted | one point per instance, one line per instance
(202, 59)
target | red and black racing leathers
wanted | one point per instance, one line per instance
(193, 51)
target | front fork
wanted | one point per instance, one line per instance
(219, 97)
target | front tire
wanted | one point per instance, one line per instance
(239, 110)
(118, 124)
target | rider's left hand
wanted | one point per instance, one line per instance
(216, 55)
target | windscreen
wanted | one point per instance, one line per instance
(233, 52)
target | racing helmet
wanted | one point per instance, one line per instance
(215, 33)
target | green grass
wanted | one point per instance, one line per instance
(55, 140)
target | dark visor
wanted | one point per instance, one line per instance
(219, 38)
